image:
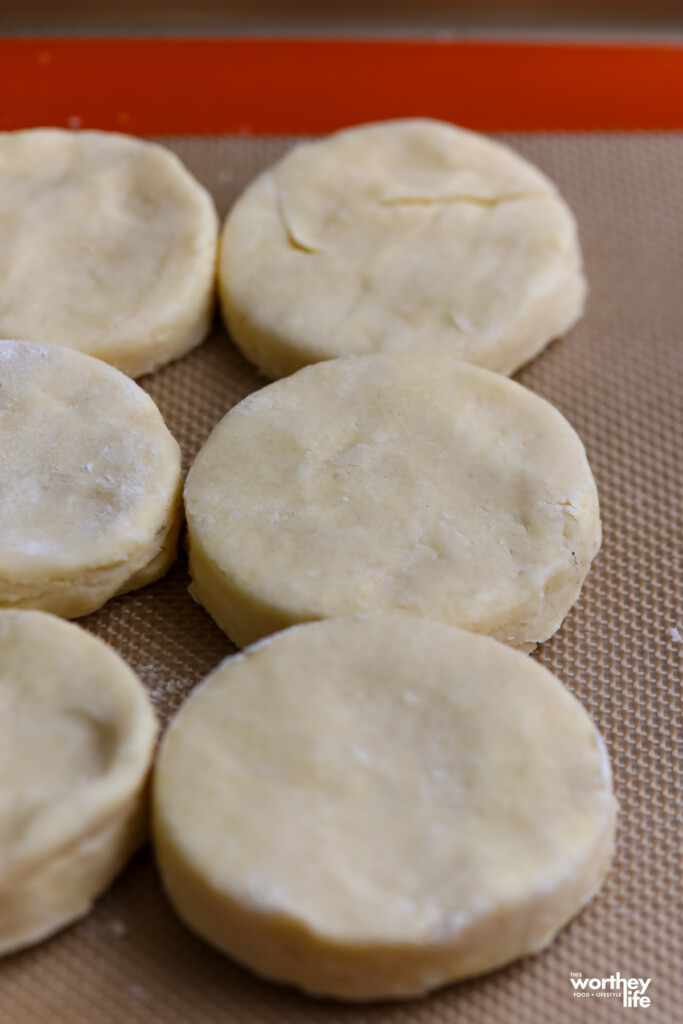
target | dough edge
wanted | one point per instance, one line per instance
(176, 333)
(59, 880)
(74, 595)
(247, 614)
(280, 948)
(277, 354)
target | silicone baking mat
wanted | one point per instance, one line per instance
(618, 377)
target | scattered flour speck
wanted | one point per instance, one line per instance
(138, 992)
(166, 693)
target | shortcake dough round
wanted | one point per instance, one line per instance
(90, 486)
(107, 245)
(370, 808)
(77, 736)
(412, 483)
(400, 236)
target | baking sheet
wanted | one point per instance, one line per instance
(619, 379)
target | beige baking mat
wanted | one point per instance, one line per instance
(619, 379)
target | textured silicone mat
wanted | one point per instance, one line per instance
(618, 378)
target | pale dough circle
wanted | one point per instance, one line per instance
(371, 808)
(107, 245)
(77, 736)
(90, 485)
(412, 483)
(400, 236)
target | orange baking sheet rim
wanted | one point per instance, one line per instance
(290, 86)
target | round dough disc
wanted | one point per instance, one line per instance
(90, 482)
(77, 736)
(107, 245)
(412, 483)
(400, 236)
(371, 808)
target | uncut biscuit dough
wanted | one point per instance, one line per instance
(107, 245)
(412, 483)
(370, 808)
(77, 735)
(399, 236)
(90, 485)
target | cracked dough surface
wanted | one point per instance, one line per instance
(412, 483)
(77, 736)
(400, 236)
(107, 245)
(371, 808)
(90, 486)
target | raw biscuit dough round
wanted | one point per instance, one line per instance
(90, 485)
(107, 245)
(407, 482)
(399, 236)
(77, 736)
(370, 808)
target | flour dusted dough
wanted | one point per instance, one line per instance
(412, 483)
(107, 245)
(76, 741)
(403, 235)
(90, 499)
(371, 808)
